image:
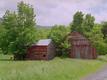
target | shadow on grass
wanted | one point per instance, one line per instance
(6, 60)
(63, 56)
(11, 60)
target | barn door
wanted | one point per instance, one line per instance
(77, 52)
(87, 52)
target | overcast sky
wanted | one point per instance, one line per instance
(50, 12)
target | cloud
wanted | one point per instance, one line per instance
(50, 12)
(61, 11)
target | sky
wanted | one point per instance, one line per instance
(60, 12)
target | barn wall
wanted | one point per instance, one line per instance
(37, 53)
(83, 51)
(51, 51)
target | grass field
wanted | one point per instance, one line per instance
(56, 69)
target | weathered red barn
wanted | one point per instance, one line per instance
(42, 50)
(81, 47)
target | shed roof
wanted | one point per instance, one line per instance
(44, 42)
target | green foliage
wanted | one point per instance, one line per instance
(26, 16)
(3, 41)
(96, 37)
(82, 24)
(58, 35)
(20, 30)
(88, 23)
(104, 29)
(77, 22)
(42, 33)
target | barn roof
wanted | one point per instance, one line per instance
(44, 42)
(76, 35)
(77, 39)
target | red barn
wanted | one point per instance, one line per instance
(81, 47)
(43, 50)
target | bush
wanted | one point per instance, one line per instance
(101, 48)
(96, 37)
(58, 35)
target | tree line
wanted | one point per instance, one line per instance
(18, 32)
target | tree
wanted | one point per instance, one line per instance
(9, 23)
(88, 23)
(42, 33)
(58, 35)
(26, 16)
(21, 31)
(96, 37)
(104, 29)
(2, 39)
(82, 24)
(77, 22)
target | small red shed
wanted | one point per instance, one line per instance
(81, 47)
(42, 50)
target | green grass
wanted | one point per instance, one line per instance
(56, 69)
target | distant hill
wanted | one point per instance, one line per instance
(39, 26)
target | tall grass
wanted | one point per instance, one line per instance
(56, 69)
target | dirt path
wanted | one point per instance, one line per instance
(99, 75)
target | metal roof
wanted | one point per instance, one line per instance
(44, 42)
